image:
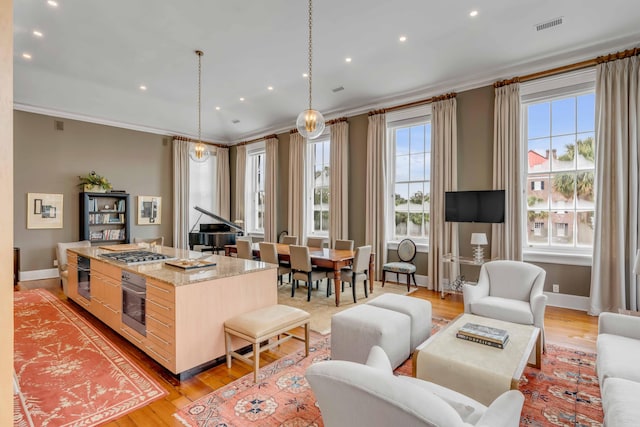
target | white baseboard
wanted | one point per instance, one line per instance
(49, 273)
(567, 301)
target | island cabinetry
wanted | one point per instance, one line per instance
(106, 294)
(75, 275)
(160, 317)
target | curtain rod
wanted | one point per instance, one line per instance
(251, 141)
(184, 138)
(328, 123)
(414, 103)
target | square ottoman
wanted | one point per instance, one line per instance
(355, 330)
(418, 310)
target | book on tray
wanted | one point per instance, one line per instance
(482, 334)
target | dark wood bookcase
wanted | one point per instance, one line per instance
(105, 218)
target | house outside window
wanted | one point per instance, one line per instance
(409, 137)
(318, 176)
(559, 146)
(254, 194)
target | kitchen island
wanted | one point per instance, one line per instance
(181, 312)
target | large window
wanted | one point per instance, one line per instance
(559, 130)
(254, 202)
(410, 144)
(202, 188)
(318, 186)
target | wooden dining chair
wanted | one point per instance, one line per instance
(269, 253)
(302, 269)
(359, 270)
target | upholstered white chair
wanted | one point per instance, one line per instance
(345, 245)
(61, 255)
(269, 253)
(244, 249)
(315, 242)
(406, 254)
(508, 290)
(303, 270)
(358, 271)
(352, 394)
(290, 240)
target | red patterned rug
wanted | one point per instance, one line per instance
(69, 374)
(564, 392)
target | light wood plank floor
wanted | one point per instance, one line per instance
(562, 326)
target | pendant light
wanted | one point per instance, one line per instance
(310, 122)
(199, 152)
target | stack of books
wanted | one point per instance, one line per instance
(486, 335)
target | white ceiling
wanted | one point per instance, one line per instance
(94, 55)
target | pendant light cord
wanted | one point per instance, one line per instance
(310, 50)
(199, 53)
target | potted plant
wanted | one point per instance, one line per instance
(94, 183)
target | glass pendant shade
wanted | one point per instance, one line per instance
(199, 152)
(310, 124)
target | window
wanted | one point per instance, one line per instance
(559, 138)
(318, 186)
(202, 188)
(410, 149)
(254, 194)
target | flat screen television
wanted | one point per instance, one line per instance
(474, 206)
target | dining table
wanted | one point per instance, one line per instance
(335, 259)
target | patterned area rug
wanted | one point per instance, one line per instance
(564, 392)
(69, 374)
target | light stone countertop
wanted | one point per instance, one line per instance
(225, 266)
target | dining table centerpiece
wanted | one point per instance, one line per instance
(94, 183)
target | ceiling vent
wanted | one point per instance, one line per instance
(58, 125)
(338, 89)
(235, 121)
(549, 24)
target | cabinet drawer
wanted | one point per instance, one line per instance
(110, 271)
(160, 342)
(160, 308)
(160, 291)
(161, 356)
(133, 336)
(161, 326)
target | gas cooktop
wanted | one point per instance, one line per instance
(136, 257)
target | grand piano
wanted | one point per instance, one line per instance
(214, 236)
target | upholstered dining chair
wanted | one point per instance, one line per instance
(269, 253)
(290, 240)
(150, 240)
(406, 254)
(315, 242)
(359, 270)
(61, 255)
(508, 290)
(303, 270)
(244, 249)
(345, 245)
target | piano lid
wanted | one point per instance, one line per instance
(218, 218)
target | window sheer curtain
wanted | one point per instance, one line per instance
(613, 283)
(506, 238)
(223, 184)
(297, 158)
(376, 196)
(180, 194)
(339, 182)
(241, 170)
(443, 237)
(270, 190)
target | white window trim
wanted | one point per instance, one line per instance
(309, 179)
(558, 86)
(255, 148)
(421, 247)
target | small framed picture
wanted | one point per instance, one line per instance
(149, 210)
(44, 210)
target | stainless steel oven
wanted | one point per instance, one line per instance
(84, 277)
(134, 294)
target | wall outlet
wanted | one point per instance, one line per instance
(556, 288)
(55, 262)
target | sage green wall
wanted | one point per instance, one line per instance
(49, 161)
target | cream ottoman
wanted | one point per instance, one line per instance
(355, 330)
(418, 310)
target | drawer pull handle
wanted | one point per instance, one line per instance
(158, 338)
(111, 309)
(164, 307)
(130, 336)
(156, 320)
(158, 288)
(157, 354)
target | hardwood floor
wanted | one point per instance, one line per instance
(563, 327)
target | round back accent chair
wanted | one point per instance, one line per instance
(406, 253)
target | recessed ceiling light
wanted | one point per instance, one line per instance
(403, 38)
(270, 88)
(347, 59)
(305, 75)
(241, 99)
(37, 33)
(143, 87)
(217, 108)
(52, 3)
(26, 55)
(473, 13)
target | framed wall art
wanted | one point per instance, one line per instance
(149, 210)
(44, 210)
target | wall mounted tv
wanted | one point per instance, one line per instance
(474, 206)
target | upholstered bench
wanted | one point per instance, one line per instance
(418, 310)
(355, 330)
(261, 325)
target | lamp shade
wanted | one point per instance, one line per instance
(636, 266)
(479, 239)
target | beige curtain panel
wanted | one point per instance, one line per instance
(339, 183)
(241, 170)
(223, 185)
(180, 194)
(376, 190)
(613, 283)
(270, 190)
(297, 156)
(506, 238)
(443, 237)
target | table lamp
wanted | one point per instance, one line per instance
(478, 239)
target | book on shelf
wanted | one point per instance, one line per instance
(486, 333)
(483, 341)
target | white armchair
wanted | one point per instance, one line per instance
(351, 394)
(508, 290)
